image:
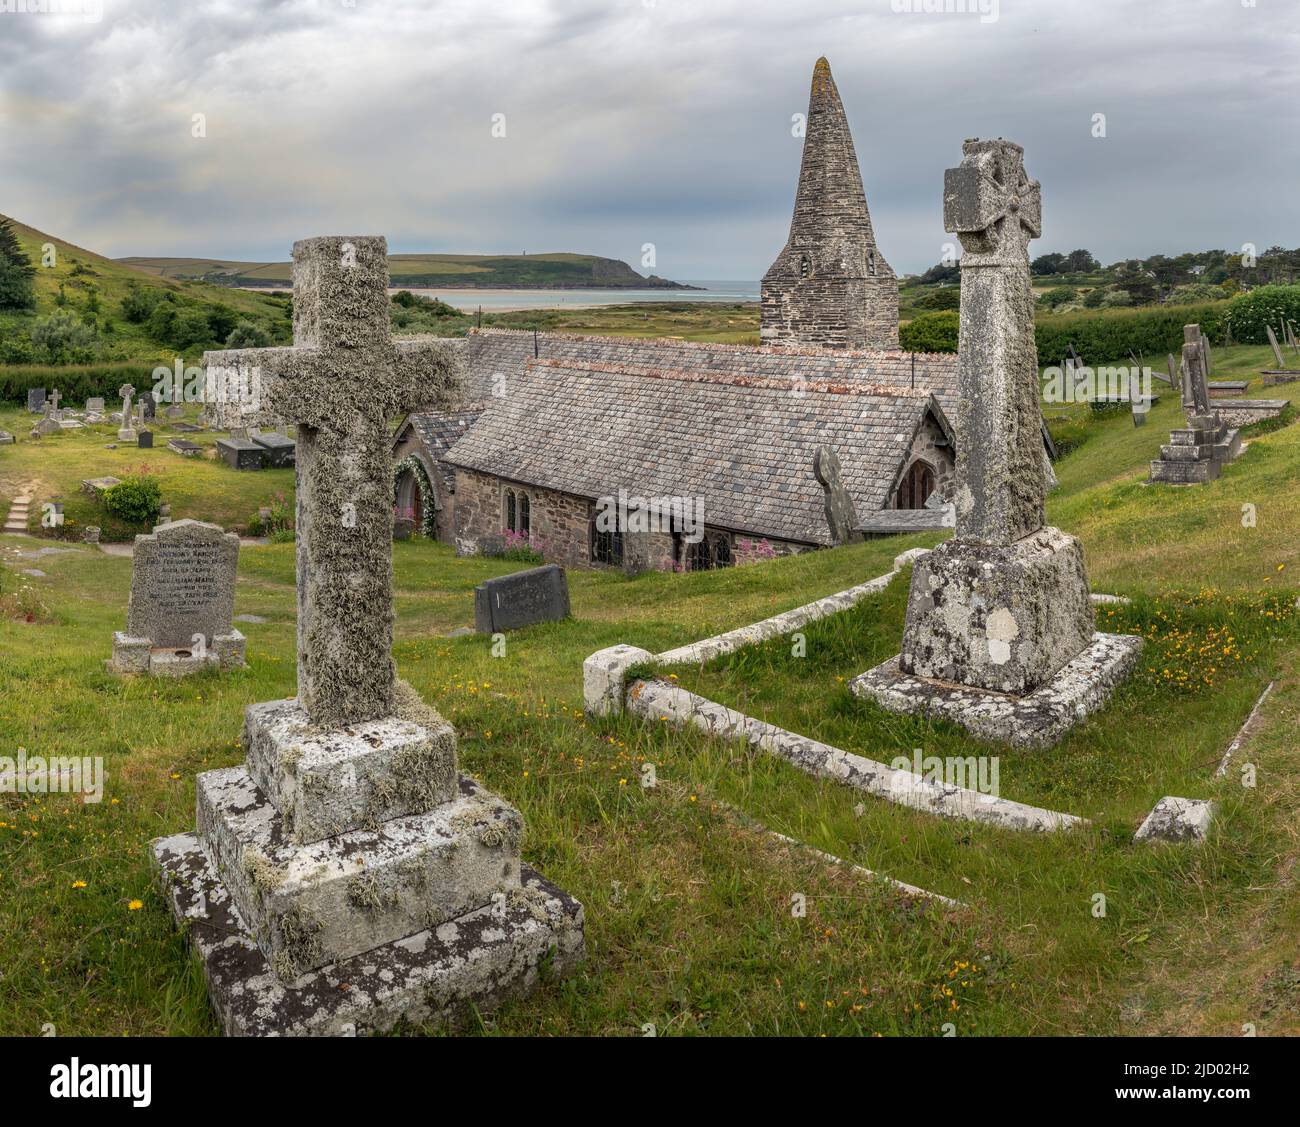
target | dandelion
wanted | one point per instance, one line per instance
(135, 905)
(78, 884)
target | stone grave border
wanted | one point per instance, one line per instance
(607, 693)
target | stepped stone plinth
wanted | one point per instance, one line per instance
(348, 877)
(1196, 453)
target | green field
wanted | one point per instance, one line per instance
(688, 907)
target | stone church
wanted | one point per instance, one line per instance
(716, 440)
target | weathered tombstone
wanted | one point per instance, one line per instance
(999, 635)
(6, 439)
(95, 405)
(148, 407)
(525, 598)
(182, 603)
(48, 424)
(184, 447)
(407, 882)
(55, 411)
(126, 433)
(841, 516)
(36, 400)
(144, 440)
(1196, 453)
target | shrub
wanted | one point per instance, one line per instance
(947, 297)
(221, 322)
(1249, 313)
(140, 303)
(247, 335)
(136, 500)
(1056, 296)
(61, 339)
(930, 332)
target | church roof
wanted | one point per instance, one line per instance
(743, 443)
(439, 432)
(496, 356)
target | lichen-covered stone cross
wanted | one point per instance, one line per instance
(343, 381)
(995, 209)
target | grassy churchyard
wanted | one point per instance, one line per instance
(688, 903)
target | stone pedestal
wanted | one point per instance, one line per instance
(1196, 453)
(998, 618)
(133, 654)
(359, 855)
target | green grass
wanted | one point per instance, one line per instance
(689, 919)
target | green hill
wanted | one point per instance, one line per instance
(509, 271)
(92, 289)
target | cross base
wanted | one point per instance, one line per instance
(436, 978)
(1039, 719)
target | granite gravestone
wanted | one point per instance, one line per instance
(511, 602)
(182, 602)
(125, 432)
(999, 635)
(349, 849)
(36, 400)
(279, 449)
(95, 405)
(241, 453)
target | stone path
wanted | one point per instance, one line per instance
(16, 522)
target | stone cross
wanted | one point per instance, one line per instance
(841, 515)
(343, 381)
(55, 396)
(1197, 387)
(126, 391)
(995, 209)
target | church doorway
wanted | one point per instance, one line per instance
(410, 499)
(917, 485)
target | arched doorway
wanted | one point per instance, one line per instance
(916, 486)
(410, 498)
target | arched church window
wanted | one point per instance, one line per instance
(510, 510)
(525, 513)
(917, 485)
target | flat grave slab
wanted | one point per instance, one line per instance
(1220, 389)
(280, 451)
(185, 428)
(241, 453)
(182, 446)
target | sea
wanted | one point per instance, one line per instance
(502, 301)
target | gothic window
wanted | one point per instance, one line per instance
(871, 263)
(510, 510)
(714, 550)
(805, 266)
(917, 485)
(525, 513)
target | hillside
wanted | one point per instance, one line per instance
(92, 289)
(475, 271)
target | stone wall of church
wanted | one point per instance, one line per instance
(444, 503)
(830, 312)
(559, 521)
(930, 445)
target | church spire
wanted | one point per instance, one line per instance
(830, 286)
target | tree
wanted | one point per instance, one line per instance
(221, 322)
(941, 273)
(1080, 262)
(16, 271)
(1048, 264)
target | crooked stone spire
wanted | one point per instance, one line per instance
(830, 286)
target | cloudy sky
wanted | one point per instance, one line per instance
(636, 121)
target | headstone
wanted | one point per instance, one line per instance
(525, 598)
(6, 438)
(1277, 351)
(184, 446)
(148, 407)
(407, 882)
(999, 620)
(36, 400)
(48, 424)
(95, 405)
(1197, 452)
(241, 454)
(182, 602)
(280, 451)
(126, 433)
(841, 516)
(144, 440)
(55, 412)
(1178, 820)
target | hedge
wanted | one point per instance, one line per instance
(930, 332)
(76, 382)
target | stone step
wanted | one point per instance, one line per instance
(1187, 453)
(1185, 473)
(325, 783)
(311, 905)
